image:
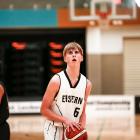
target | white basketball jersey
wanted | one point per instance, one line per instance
(70, 99)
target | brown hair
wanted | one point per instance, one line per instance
(72, 45)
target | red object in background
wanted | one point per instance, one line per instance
(118, 1)
(55, 46)
(19, 45)
(55, 70)
(103, 15)
(56, 54)
(56, 62)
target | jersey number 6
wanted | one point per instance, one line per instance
(76, 111)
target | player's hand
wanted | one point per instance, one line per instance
(74, 126)
(71, 124)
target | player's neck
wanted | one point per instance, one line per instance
(73, 72)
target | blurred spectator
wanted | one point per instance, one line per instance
(4, 112)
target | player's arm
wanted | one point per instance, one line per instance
(87, 93)
(48, 99)
(1, 92)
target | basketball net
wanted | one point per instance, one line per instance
(103, 13)
(104, 22)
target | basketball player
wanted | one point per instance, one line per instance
(65, 98)
(4, 114)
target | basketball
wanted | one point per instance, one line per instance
(78, 134)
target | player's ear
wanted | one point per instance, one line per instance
(82, 59)
(65, 59)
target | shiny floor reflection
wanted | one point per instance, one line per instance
(114, 128)
(30, 127)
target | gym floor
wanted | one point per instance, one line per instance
(30, 127)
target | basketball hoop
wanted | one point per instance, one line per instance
(104, 10)
(103, 23)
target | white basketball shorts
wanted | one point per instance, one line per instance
(52, 132)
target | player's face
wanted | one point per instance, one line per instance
(73, 56)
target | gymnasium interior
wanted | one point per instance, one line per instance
(33, 34)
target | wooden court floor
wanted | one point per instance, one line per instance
(114, 128)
